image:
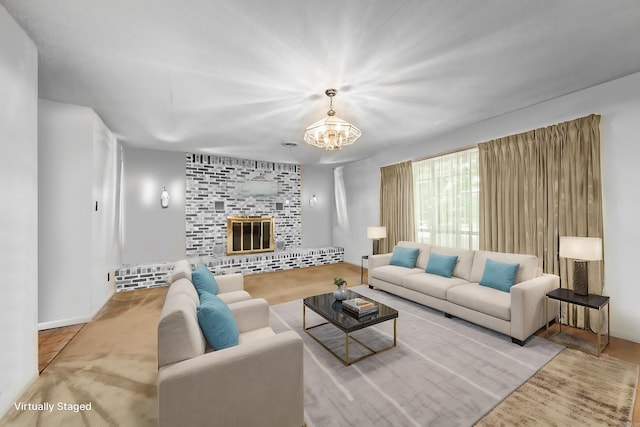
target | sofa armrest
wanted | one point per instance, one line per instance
(528, 305)
(230, 282)
(257, 383)
(378, 260)
(251, 314)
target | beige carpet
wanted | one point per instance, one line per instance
(111, 363)
(574, 389)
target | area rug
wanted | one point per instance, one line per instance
(574, 389)
(443, 372)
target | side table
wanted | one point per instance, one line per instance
(590, 301)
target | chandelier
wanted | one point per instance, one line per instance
(331, 133)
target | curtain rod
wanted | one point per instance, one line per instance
(456, 150)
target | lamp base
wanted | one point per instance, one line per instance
(580, 278)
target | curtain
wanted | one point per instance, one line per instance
(538, 186)
(340, 195)
(446, 199)
(396, 205)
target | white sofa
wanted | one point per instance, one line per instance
(257, 382)
(518, 313)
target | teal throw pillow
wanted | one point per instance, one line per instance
(499, 275)
(204, 281)
(442, 265)
(404, 257)
(217, 322)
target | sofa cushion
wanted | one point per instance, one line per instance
(527, 271)
(465, 260)
(181, 270)
(432, 284)
(499, 275)
(204, 281)
(442, 265)
(217, 322)
(423, 252)
(179, 334)
(393, 274)
(483, 299)
(404, 257)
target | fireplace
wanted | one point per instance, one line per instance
(249, 234)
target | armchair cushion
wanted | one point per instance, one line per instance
(217, 322)
(204, 281)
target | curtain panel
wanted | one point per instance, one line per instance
(396, 205)
(446, 199)
(539, 185)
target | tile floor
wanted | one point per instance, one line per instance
(52, 341)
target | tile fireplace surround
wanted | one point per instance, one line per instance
(139, 276)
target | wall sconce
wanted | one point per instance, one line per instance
(313, 200)
(164, 198)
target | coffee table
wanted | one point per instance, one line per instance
(330, 309)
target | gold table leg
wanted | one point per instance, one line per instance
(346, 346)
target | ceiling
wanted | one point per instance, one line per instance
(237, 78)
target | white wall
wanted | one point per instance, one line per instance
(105, 235)
(317, 219)
(619, 104)
(77, 168)
(151, 233)
(19, 213)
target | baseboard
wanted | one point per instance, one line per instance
(106, 299)
(64, 322)
(76, 320)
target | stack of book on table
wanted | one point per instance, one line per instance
(359, 306)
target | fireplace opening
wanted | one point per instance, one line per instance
(249, 234)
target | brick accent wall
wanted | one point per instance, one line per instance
(212, 196)
(130, 277)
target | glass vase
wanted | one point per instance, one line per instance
(340, 293)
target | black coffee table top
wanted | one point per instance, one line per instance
(331, 309)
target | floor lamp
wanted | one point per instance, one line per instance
(581, 250)
(375, 234)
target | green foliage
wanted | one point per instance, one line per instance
(339, 281)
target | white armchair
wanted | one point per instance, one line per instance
(257, 382)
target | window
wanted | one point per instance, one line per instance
(446, 199)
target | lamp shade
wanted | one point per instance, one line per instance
(376, 232)
(582, 248)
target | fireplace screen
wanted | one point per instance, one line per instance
(249, 234)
